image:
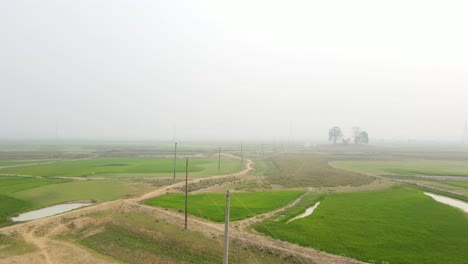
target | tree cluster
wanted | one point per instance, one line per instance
(359, 137)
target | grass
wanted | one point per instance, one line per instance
(11, 245)
(408, 167)
(20, 194)
(212, 205)
(139, 238)
(19, 162)
(463, 184)
(97, 190)
(127, 167)
(263, 168)
(9, 206)
(131, 243)
(439, 191)
(252, 185)
(397, 225)
(10, 185)
(303, 170)
(10, 202)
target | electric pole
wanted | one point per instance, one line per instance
(175, 158)
(242, 157)
(465, 134)
(186, 191)
(226, 230)
(56, 131)
(219, 161)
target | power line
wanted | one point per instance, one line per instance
(221, 211)
(251, 213)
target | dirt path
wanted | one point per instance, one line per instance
(40, 163)
(39, 243)
(431, 177)
(242, 225)
(164, 190)
(27, 164)
(42, 232)
(237, 234)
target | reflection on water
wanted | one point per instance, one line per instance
(48, 211)
(450, 201)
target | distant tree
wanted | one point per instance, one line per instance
(356, 131)
(362, 138)
(334, 134)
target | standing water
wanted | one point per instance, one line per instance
(48, 211)
(452, 202)
(307, 212)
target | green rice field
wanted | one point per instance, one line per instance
(99, 191)
(19, 194)
(212, 205)
(463, 184)
(397, 225)
(409, 167)
(127, 168)
(10, 203)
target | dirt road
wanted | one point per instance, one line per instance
(42, 232)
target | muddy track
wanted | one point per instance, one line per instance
(42, 232)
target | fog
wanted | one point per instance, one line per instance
(240, 70)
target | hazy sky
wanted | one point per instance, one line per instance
(243, 70)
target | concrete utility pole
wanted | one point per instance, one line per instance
(56, 130)
(263, 153)
(465, 134)
(242, 157)
(219, 161)
(226, 230)
(175, 158)
(186, 191)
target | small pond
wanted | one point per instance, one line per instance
(48, 211)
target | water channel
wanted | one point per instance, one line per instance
(450, 201)
(307, 212)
